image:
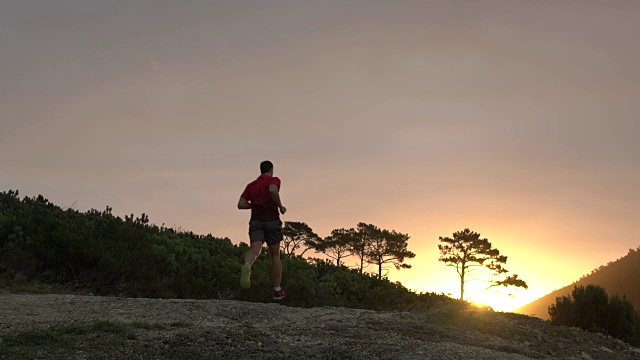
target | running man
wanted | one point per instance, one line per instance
(263, 198)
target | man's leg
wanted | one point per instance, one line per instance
(273, 237)
(276, 264)
(256, 237)
(253, 253)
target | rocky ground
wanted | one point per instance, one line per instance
(92, 327)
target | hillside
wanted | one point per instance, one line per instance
(617, 277)
(96, 327)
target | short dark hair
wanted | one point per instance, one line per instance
(266, 166)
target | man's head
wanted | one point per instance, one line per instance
(266, 167)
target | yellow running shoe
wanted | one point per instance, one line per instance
(245, 280)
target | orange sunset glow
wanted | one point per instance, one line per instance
(518, 120)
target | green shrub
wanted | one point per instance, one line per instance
(591, 309)
(104, 254)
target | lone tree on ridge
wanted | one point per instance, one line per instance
(466, 250)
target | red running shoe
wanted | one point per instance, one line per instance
(279, 295)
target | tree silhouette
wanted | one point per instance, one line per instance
(466, 250)
(336, 246)
(385, 247)
(298, 235)
(358, 246)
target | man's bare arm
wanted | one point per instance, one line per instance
(243, 204)
(275, 195)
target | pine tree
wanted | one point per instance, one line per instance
(466, 250)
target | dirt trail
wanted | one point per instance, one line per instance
(233, 329)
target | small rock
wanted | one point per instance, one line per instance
(526, 343)
(586, 356)
(605, 349)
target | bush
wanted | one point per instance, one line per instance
(98, 252)
(591, 309)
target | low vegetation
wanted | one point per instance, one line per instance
(100, 253)
(591, 309)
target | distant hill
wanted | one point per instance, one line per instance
(620, 277)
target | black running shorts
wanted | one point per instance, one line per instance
(265, 231)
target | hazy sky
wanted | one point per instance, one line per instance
(518, 119)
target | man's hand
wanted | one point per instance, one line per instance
(282, 209)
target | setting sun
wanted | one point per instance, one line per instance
(497, 301)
